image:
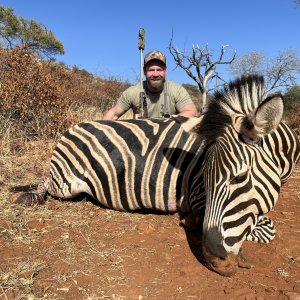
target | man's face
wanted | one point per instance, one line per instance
(155, 72)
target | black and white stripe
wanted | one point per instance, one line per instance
(230, 162)
(126, 165)
(250, 153)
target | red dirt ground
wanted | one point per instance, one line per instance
(77, 250)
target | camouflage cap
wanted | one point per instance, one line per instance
(154, 55)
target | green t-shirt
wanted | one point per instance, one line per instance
(177, 98)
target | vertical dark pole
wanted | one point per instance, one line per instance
(143, 104)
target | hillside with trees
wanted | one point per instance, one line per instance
(75, 248)
(40, 98)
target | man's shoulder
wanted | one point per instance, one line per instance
(172, 83)
(175, 87)
(179, 94)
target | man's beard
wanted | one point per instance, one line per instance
(156, 84)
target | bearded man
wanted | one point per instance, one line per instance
(163, 98)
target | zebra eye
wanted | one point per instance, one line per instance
(239, 178)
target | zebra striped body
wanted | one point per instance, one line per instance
(229, 163)
(125, 165)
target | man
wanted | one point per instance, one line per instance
(163, 97)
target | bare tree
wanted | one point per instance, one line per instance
(250, 63)
(199, 65)
(279, 72)
(283, 69)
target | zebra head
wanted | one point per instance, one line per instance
(240, 179)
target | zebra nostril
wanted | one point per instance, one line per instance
(212, 241)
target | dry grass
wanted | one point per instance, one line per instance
(42, 99)
(78, 250)
(48, 237)
(30, 227)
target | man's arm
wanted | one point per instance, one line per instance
(183, 102)
(114, 113)
(188, 111)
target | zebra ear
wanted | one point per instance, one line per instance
(264, 120)
(269, 114)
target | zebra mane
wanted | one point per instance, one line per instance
(240, 97)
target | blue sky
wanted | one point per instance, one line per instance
(102, 36)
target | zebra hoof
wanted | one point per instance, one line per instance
(29, 199)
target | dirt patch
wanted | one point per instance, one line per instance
(78, 250)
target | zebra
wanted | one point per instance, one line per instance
(222, 170)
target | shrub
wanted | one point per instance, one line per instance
(41, 99)
(294, 117)
(30, 95)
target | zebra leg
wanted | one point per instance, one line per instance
(35, 197)
(264, 231)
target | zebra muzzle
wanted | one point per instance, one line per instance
(225, 266)
(216, 256)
